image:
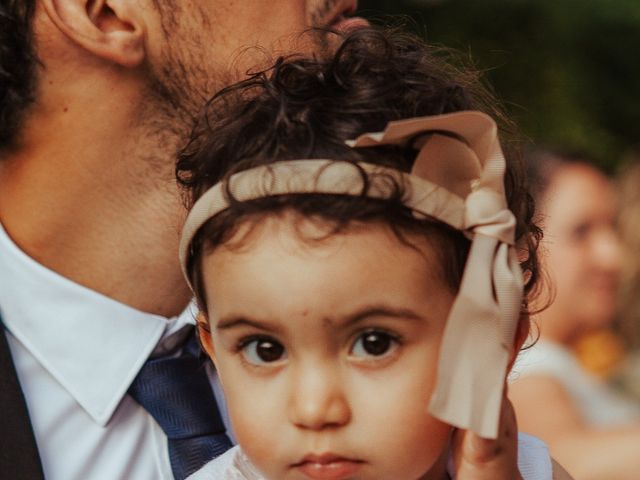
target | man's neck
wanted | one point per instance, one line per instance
(101, 210)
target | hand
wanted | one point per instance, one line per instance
(477, 458)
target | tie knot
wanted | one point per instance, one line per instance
(176, 391)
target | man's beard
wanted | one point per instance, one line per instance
(325, 40)
(183, 79)
(177, 92)
(318, 18)
(180, 82)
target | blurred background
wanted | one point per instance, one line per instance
(568, 71)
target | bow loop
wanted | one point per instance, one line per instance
(486, 213)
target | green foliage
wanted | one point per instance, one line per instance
(568, 70)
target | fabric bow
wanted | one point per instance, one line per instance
(461, 153)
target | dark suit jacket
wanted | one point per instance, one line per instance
(19, 458)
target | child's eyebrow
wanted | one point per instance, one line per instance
(377, 311)
(233, 321)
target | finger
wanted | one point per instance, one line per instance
(480, 450)
(508, 430)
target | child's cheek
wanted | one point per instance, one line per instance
(258, 415)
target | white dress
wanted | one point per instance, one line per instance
(534, 463)
(599, 404)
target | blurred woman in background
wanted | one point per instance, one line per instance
(590, 428)
(627, 185)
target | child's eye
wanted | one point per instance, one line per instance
(259, 351)
(374, 343)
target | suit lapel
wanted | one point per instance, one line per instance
(19, 458)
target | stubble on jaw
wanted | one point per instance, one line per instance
(187, 74)
(318, 18)
(180, 82)
(180, 79)
(325, 39)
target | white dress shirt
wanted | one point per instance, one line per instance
(76, 353)
(599, 403)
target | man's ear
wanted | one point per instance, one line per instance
(522, 333)
(110, 29)
(204, 333)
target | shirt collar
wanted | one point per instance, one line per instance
(92, 345)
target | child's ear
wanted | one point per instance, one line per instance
(111, 29)
(522, 333)
(204, 333)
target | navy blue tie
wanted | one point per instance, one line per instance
(176, 392)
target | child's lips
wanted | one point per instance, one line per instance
(328, 466)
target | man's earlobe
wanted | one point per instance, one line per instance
(110, 29)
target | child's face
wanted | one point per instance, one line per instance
(327, 351)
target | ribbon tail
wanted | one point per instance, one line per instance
(508, 284)
(473, 358)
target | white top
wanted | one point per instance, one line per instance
(76, 353)
(599, 404)
(534, 463)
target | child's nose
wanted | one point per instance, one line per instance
(318, 400)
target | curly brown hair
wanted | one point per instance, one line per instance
(306, 107)
(18, 66)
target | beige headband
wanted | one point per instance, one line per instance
(459, 183)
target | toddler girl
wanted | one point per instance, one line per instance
(354, 253)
